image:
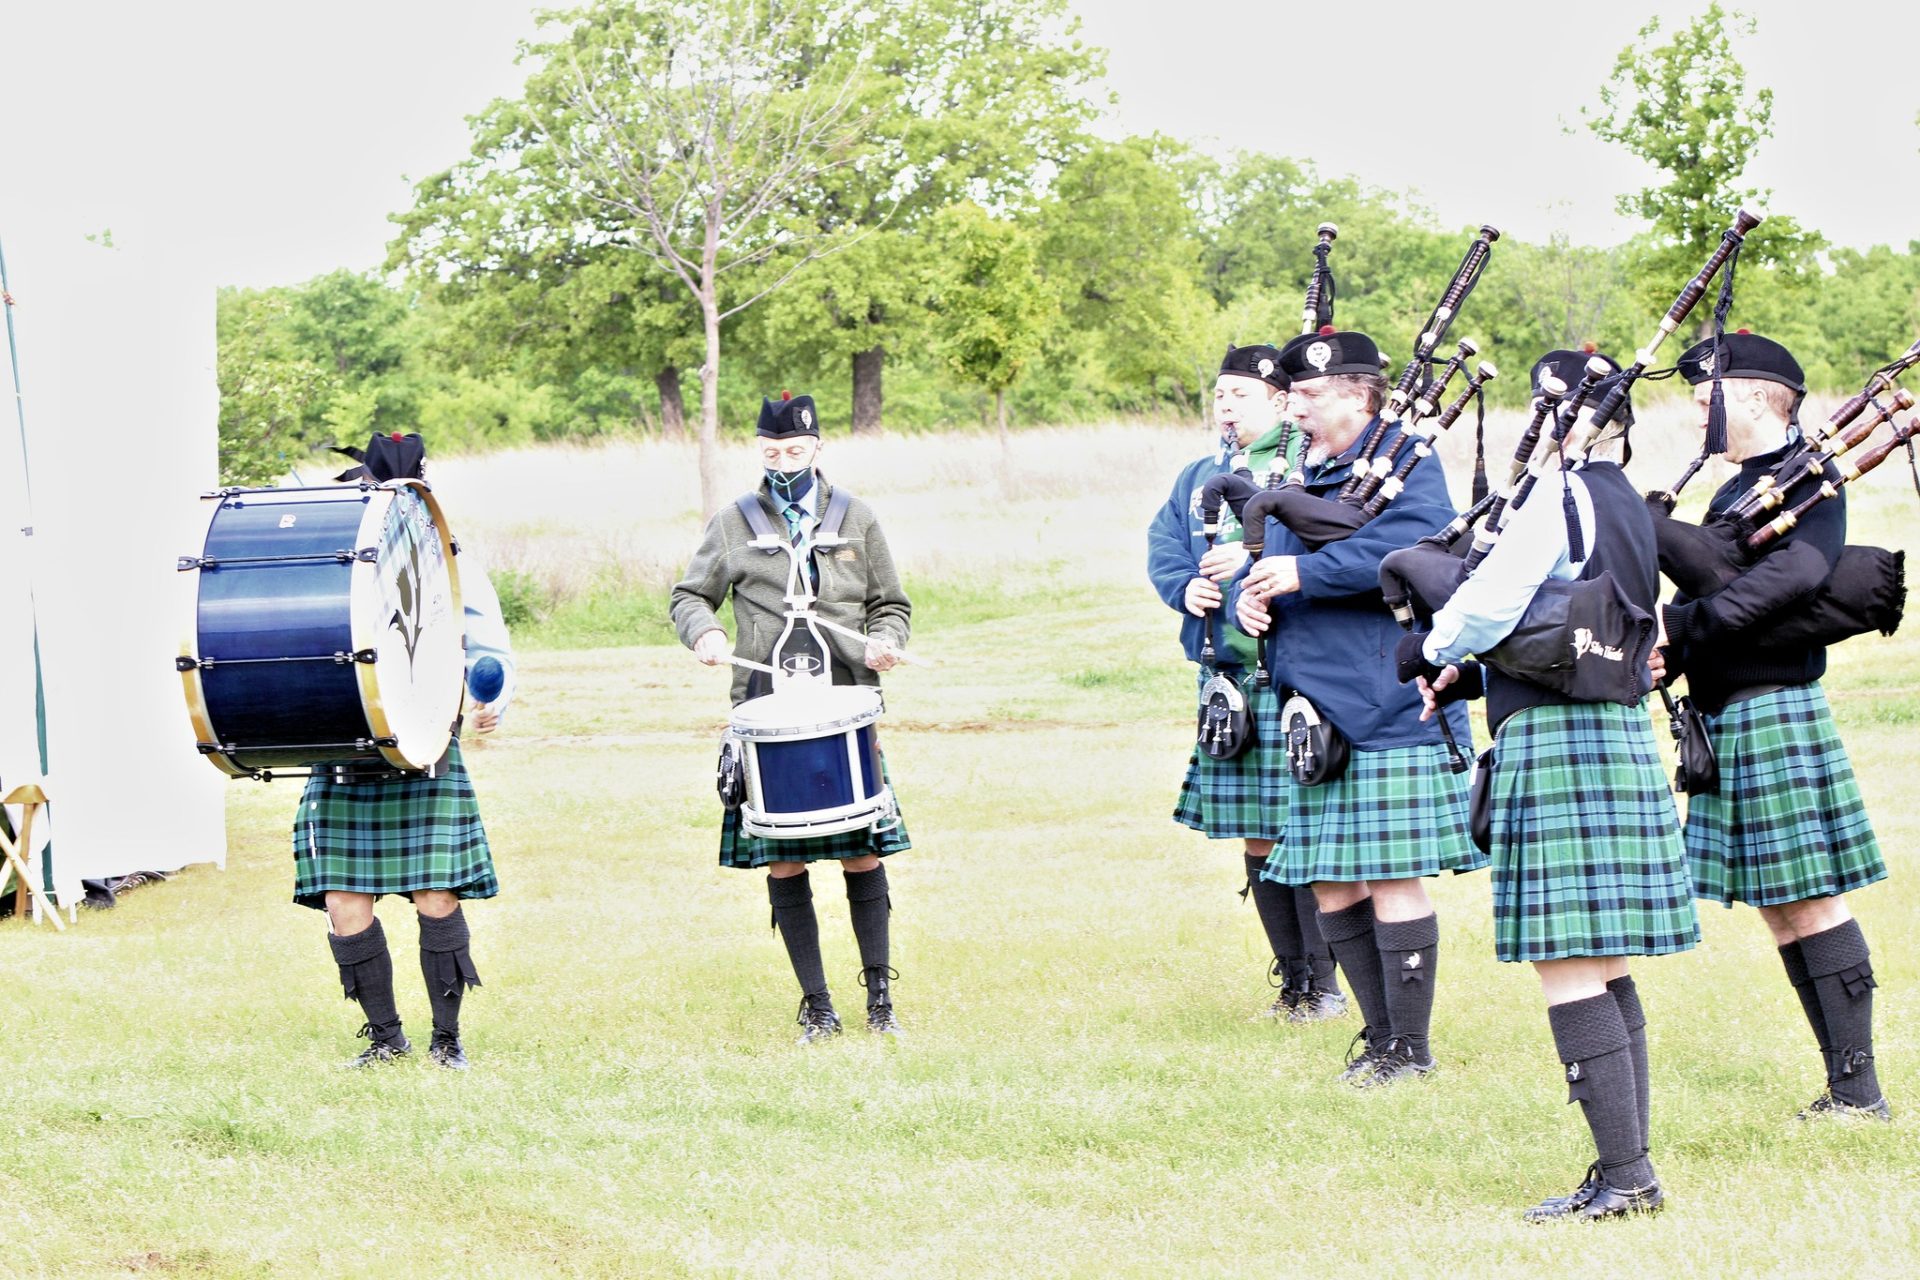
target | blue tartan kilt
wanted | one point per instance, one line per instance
(745, 852)
(391, 836)
(1788, 822)
(1587, 857)
(1244, 798)
(1395, 814)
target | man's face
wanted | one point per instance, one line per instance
(1329, 415)
(1246, 407)
(796, 454)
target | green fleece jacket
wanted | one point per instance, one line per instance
(858, 588)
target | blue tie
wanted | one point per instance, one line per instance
(795, 514)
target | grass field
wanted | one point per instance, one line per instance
(1079, 1093)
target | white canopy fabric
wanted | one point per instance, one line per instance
(121, 406)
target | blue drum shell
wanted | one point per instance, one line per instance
(274, 714)
(800, 775)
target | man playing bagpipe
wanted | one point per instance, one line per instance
(356, 838)
(1786, 830)
(1588, 868)
(856, 586)
(1364, 836)
(1238, 790)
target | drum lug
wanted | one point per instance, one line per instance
(368, 656)
(183, 663)
(370, 744)
(185, 563)
(365, 555)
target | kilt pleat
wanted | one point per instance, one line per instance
(1244, 798)
(745, 852)
(1395, 814)
(1788, 822)
(1587, 856)
(392, 836)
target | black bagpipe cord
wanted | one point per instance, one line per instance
(1717, 404)
(1480, 487)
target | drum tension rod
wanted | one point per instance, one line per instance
(234, 748)
(340, 657)
(366, 555)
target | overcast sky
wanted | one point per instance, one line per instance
(266, 142)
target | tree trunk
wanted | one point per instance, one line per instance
(673, 408)
(867, 367)
(710, 405)
(1000, 412)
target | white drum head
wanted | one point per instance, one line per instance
(806, 711)
(406, 607)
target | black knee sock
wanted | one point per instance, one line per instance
(447, 966)
(366, 975)
(1802, 983)
(870, 903)
(792, 898)
(1350, 933)
(1408, 951)
(1842, 973)
(1627, 996)
(1320, 968)
(1592, 1040)
(1274, 904)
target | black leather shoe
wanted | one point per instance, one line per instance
(385, 1047)
(1827, 1106)
(1559, 1206)
(445, 1051)
(1395, 1063)
(1362, 1057)
(817, 1019)
(1614, 1202)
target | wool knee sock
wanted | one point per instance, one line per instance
(1627, 996)
(1842, 972)
(1408, 952)
(1274, 904)
(1350, 932)
(1592, 1041)
(1320, 967)
(447, 966)
(1802, 983)
(366, 975)
(792, 898)
(870, 904)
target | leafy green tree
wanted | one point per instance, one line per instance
(268, 387)
(993, 304)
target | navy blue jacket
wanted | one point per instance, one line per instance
(1334, 638)
(1175, 544)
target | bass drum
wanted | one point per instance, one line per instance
(326, 629)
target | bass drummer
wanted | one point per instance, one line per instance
(417, 835)
(857, 588)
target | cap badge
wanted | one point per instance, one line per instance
(1266, 367)
(806, 417)
(1706, 365)
(1320, 355)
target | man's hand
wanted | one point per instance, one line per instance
(881, 655)
(1202, 596)
(1254, 618)
(1222, 562)
(1429, 691)
(1274, 576)
(484, 717)
(1657, 665)
(711, 648)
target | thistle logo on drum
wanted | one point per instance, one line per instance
(410, 618)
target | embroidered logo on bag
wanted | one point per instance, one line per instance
(1584, 644)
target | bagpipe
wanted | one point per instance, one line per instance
(1418, 581)
(1866, 587)
(1379, 476)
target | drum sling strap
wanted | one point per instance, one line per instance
(756, 513)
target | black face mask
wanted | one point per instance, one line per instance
(790, 486)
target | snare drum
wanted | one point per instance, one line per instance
(326, 629)
(813, 764)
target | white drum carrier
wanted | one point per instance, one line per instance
(804, 760)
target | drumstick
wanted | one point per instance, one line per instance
(861, 636)
(751, 665)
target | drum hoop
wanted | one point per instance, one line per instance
(820, 822)
(860, 721)
(365, 629)
(190, 679)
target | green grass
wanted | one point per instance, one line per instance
(1079, 1094)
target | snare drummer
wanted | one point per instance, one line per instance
(858, 588)
(415, 835)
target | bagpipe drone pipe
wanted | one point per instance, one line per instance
(1418, 581)
(1866, 587)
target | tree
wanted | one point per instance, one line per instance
(993, 304)
(1684, 107)
(269, 388)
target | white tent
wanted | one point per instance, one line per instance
(117, 391)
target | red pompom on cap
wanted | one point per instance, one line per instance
(1588, 348)
(396, 437)
(1743, 331)
(786, 395)
(1326, 329)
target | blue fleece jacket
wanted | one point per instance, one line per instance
(1334, 638)
(1175, 543)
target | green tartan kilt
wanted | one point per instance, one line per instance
(391, 836)
(1244, 798)
(1788, 822)
(738, 849)
(1395, 814)
(1587, 857)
